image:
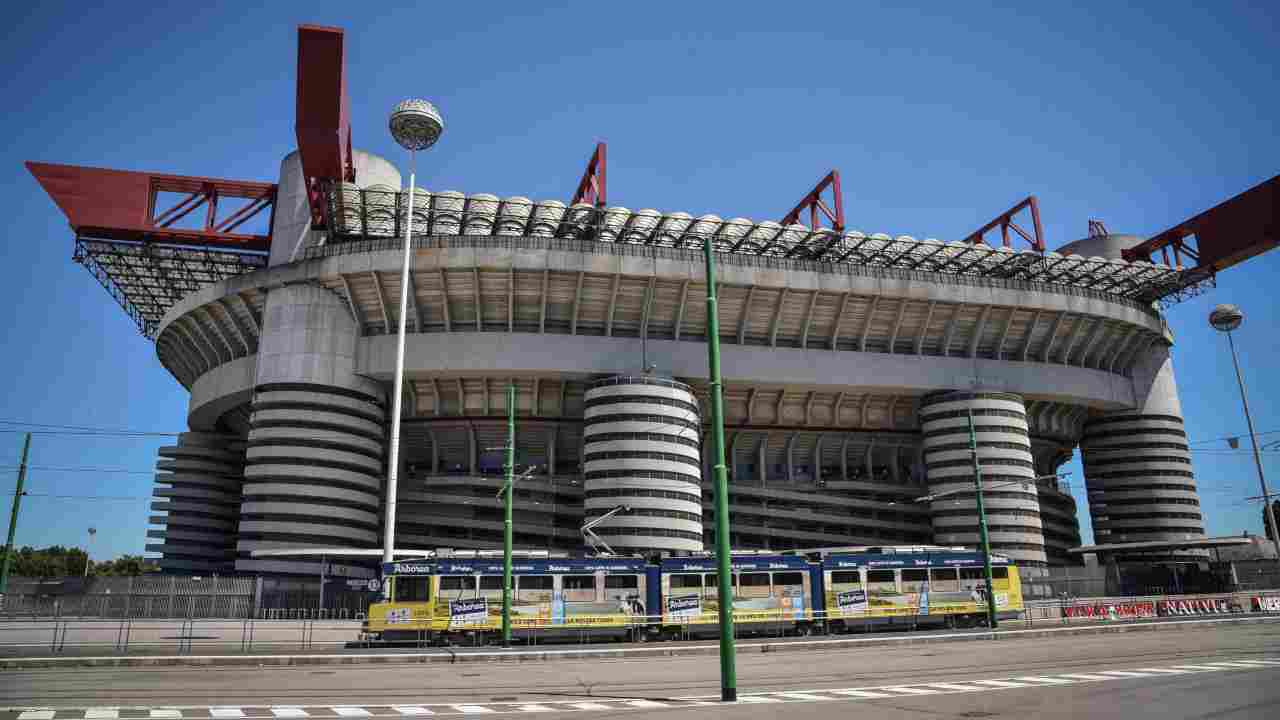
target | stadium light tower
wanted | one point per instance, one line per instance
(1226, 318)
(416, 125)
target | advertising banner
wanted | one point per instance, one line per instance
(466, 613)
(684, 608)
(1212, 606)
(852, 601)
(1263, 603)
(1104, 611)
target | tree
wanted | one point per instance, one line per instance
(59, 561)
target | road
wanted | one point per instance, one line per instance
(1221, 672)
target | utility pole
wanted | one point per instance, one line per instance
(13, 518)
(982, 523)
(728, 672)
(509, 470)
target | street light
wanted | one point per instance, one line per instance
(92, 531)
(415, 125)
(1226, 318)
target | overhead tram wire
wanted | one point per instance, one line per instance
(54, 429)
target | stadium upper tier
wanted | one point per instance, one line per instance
(379, 211)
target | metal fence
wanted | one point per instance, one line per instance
(174, 596)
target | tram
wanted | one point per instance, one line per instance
(457, 595)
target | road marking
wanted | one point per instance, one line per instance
(166, 714)
(1000, 683)
(1197, 667)
(1045, 680)
(351, 712)
(472, 709)
(534, 708)
(1235, 664)
(801, 696)
(36, 715)
(1123, 673)
(645, 704)
(909, 690)
(411, 710)
(591, 706)
(288, 712)
(1162, 671)
(1086, 676)
(757, 699)
(226, 713)
(955, 688)
(861, 693)
(101, 714)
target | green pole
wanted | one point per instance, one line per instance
(509, 468)
(13, 518)
(728, 673)
(982, 523)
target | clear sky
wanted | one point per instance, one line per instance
(938, 116)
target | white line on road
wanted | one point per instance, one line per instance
(905, 690)
(101, 714)
(473, 709)
(226, 713)
(802, 696)
(955, 687)
(288, 712)
(757, 699)
(591, 706)
(1000, 683)
(1045, 680)
(861, 693)
(351, 712)
(36, 715)
(645, 704)
(1086, 676)
(535, 708)
(1123, 673)
(411, 710)
(165, 714)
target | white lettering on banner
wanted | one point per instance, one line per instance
(1267, 603)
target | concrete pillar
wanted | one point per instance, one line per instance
(1008, 472)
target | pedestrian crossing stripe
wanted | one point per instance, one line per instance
(400, 712)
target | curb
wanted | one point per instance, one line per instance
(633, 652)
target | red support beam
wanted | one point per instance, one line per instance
(323, 114)
(121, 205)
(1225, 235)
(1005, 222)
(591, 188)
(814, 203)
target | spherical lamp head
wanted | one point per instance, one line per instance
(416, 124)
(1226, 318)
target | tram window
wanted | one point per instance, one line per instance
(457, 586)
(1000, 573)
(621, 587)
(491, 586)
(788, 579)
(534, 588)
(579, 588)
(685, 581)
(881, 580)
(710, 585)
(943, 580)
(971, 578)
(845, 580)
(412, 589)
(914, 580)
(753, 585)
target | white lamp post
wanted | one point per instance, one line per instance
(416, 125)
(1226, 318)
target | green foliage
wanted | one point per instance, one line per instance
(59, 561)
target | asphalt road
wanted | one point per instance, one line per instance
(1170, 674)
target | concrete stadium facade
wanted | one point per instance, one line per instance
(847, 392)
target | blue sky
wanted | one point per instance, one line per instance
(939, 116)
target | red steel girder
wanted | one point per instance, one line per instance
(121, 205)
(1005, 222)
(814, 203)
(323, 114)
(591, 188)
(1225, 235)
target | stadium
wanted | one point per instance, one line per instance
(852, 363)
